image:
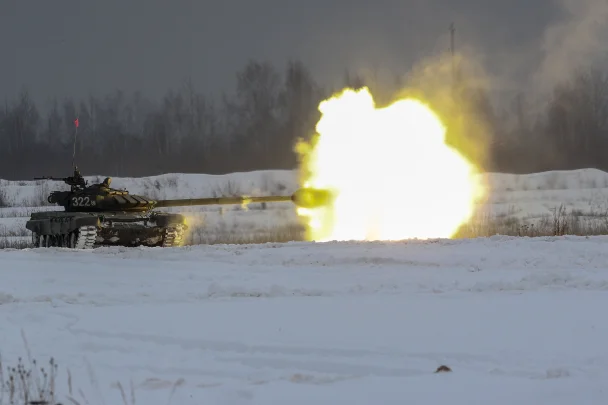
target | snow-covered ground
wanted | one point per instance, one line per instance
(518, 320)
(514, 201)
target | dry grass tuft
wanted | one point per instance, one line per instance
(4, 200)
(14, 243)
(31, 385)
(28, 384)
(559, 223)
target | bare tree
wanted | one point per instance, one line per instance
(258, 125)
(577, 119)
(299, 101)
(255, 112)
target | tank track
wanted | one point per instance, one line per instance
(83, 238)
(173, 236)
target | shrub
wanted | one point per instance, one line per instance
(28, 385)
(4, 200)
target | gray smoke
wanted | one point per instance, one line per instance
(578, 40)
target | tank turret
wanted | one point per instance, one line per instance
(97, 214)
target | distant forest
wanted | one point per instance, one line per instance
(257, 125)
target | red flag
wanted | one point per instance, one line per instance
(76, 122)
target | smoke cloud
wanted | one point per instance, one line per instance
(577, 41)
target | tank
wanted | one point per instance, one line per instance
(98, 215)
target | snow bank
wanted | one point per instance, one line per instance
(535, 195)
(166, 186)
(552, 180)
(523, 198)
(22, 193)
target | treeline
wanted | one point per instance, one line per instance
(257, 125)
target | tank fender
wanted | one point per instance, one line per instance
(60, 225)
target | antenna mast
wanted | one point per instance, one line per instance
(75, 135)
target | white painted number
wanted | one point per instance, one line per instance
(82, 202)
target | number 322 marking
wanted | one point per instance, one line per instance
(82, 202)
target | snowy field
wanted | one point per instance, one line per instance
(516, 202)
(518, 321)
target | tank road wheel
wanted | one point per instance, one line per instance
(39, 241)
(173, 236)
(44, 241)
(35, 240)
(71, 240)
(62, 240)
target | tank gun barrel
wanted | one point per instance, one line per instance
(303, 197)
(219, 201)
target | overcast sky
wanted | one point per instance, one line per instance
(74, 47)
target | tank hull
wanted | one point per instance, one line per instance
(87, 230)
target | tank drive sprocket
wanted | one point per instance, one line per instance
(173, 236)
